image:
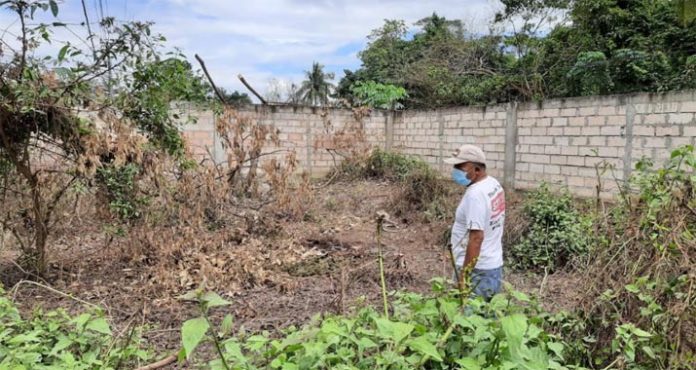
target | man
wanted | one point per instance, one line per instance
(477, 232)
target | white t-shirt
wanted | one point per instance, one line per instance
(481, 208)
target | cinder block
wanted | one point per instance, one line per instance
(611, 130)
(555, 131)
(537, 149)
(690, 130)
(616, 141)
(578, 140)
(536, 168)
(651, 119)
(606, 111)
(680, 118)
(560, 140)
(667, 130)
(543, 122)
(552, 169)
(569, 150)
(569, 112)
(572, 131)
(559, 121)
(654, 142)
(688, 107)
(593, 130)
(587, 111)
(606, 151)
(575, 161)
(576, 121)
(643, 130)
(596, 120)
(552, 149)
(559, 159)
(597, 140)
(539, 131)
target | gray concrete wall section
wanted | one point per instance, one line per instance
(567, 142)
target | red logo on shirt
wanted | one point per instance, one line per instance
(498, 205)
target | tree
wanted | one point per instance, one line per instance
(41, 101)
(316, 89)
(236, 98)
(378, 95)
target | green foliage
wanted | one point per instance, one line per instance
(642, 292)
(235, 98)
(591, 47)
(557, 233)
(121, 190)
(590, 74)
(54, 340)
(149, 92)
(657, 188)
(316, 89)
(377, 95)
(430, 333)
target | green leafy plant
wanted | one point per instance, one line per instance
(424, 332)
(378, 95)
(55, 340)
(120, 188)
(557, 232)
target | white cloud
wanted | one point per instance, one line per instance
(266, 39)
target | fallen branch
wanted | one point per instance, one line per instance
(205, 70)
(16, 289)
(159, 364)
(241, 78)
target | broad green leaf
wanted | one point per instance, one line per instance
(649, 351)
(212, 299)
(424, 346)
(641, 333)
(99, 325)
(233, 349)
(556, 348)
(82, 320)
(63, 343)
(514, 327)
(226, 326)
(192, 332)
(394, 330)
(468, 363)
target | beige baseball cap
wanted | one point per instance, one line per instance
(467, 153)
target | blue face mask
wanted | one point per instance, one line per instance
(460, 177)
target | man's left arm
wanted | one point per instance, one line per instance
(473, 248)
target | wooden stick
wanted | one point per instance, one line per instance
(241, 78)
(205, 70)
(159, 364)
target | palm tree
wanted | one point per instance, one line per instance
(315, 90)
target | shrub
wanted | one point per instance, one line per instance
(556, 233)
(423, 333)
(54, 340)
(422, 188)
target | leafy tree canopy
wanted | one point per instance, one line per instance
(541, 49)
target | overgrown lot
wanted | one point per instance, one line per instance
(119, 249)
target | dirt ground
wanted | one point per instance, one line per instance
(339, 270)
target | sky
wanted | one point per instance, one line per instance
(265, 39)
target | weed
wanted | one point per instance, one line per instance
(55, 340)
(556, 233)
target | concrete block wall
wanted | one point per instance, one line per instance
(434, 135)
(566, 142)
(303, 130)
